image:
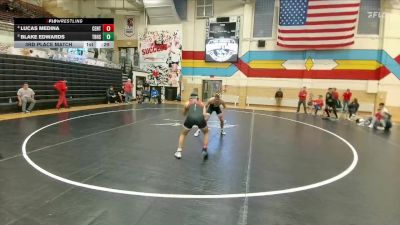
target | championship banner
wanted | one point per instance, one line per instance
(160, 56)
(129, 26)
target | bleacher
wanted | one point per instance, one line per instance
(17, 8)
(86, 83)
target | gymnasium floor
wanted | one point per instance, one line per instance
(115, 166)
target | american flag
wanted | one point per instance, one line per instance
(316, 24)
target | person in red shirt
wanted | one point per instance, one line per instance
(61, 87)
(346, 99)
(302, 99)
(128, 86)
(335, 94)
(318, 104)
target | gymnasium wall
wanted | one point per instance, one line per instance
(370, 67)
(6, 37)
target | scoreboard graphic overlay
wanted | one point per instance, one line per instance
(63, 33)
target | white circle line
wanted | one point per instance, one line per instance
(191, 196)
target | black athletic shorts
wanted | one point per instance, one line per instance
(331, 104)
(212, 109)
(190, 122)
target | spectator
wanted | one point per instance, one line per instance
(139, 95)
(381, 118)
(335, 95)
(111, 96)
(310, 102)
(302, 99)
(330, 103)
(146, 94)
(278, 97)
(61, 87)
(353, 107)
(318, 104)
(154, 95)
(346, 99)
(128, 86)
(121, 95)
(26, 95)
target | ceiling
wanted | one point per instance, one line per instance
(161, 12)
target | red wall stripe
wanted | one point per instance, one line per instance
(194, 55)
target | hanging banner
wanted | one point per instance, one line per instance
(129, 26)
(160, 56)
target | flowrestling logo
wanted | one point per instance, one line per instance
(222, 50)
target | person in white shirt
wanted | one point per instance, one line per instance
(381, 116)
(26, 95)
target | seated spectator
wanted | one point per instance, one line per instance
(146, 94)
(382, 118)
(278, 97)
(111, 96)
(26, 95)
(121, 95)
(154, 95)
(353, 107)
(318, 104)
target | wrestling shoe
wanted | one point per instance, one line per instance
(204, 153)
(197, 133)
(178, 154)
(223, 132)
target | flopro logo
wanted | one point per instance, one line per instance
(222, 49)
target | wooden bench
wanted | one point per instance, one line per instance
(51, 103)
(231, 99)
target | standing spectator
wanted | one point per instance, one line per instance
(128, 86)
(61, 87)
(330, 103)
(26, 95)
(139, 95)
(335, 95)
(346, 99)
(302, 99)
(278, 97)
(111, 96)
(318, 104)
(154, 95)
(310, 102)
(353, 107)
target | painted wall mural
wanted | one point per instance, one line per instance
(333, 64)
(161, 56)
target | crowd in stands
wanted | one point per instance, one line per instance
(346, 104)
(125, 95)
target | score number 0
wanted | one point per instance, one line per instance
(108, 27)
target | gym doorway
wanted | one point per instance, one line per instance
(210, 87)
